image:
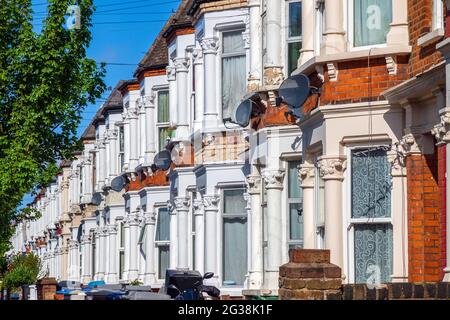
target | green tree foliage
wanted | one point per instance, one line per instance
(46, 81)
(23, 270)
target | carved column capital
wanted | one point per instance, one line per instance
(150, 218)
(181, 64)
(197, 205)
(273, 178)
(332, 168)
(112, 229)
(253, 184)
(306, 174)
(132, 220)
(441, 131)
(210, 45)
(411, 144)
(182, 203)
(171, 73)
(197, 56)
(211, 202)
(149, 100)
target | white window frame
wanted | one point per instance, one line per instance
(161, 125)
(348, 225)
(438, 15)
(349, 10)
(320, 27)
(121, 248)
(222, 216)
(121, 153)
(319, 225)
(160, 243)
(286, 34)
(227, 29)
(289, 201)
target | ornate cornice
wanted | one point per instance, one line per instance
(210, 45)
(253, 184)
(273, 178)
(332, 168)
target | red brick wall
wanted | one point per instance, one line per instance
(424, 219)
(442, 195)
(420, 17)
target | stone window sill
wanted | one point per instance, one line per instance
(430, 37)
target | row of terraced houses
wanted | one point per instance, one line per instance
(361, 171)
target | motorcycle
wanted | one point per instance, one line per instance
(194, 291)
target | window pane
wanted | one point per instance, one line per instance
(121, 139)
(121, 263)
(293, 55)
(234, 83)
(371, 184)
(234, 202)
(295, 191)
(122, 235)
(234, 250)
(372, 20)
(163, 261)
(163, 106)
(295, 222)
(373, 251)
(164, 135)
(295, 19)
(163, 227)
(233, 42)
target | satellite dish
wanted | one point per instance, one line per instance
(96, 198)
(295, 90)
(163, 160)
(241, 115)
(118, 183)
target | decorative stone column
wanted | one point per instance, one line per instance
(211, 114)
(306, 176)
(127, 251)
(211, 203)
(308, 32)
(97, 254)
(199, 236)
(182, 207)
(150, 149)
(273, 68)
(199, 88)
(332, 172)
(133, 222)
(74, 263)
(256, 274)
(442, 134)
(112, 137)
(399, 217)
(273, 180)
(142, 131)
(172, 79)
(398, 35)
(102, 164)
(134, 139)
(102, 252)
(334, 33)
(254, 79)
(126, 139)
(182, 69)
(86, 243)
(111, 270)
(173, 250)
(150, 273)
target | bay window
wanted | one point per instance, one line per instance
(162, 241)
(164, 131)
(294, 34)
(370, 223)
(295, 207)
(371, 21)
(234, 251)
(121, 148)
(234, 75)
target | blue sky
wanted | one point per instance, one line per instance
(121, 34)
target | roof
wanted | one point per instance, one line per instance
(115, 99)
(195, 4)
(181, 18)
